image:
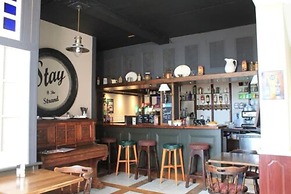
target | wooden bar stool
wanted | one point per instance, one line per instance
(197, 150)
(126, 145)
(111, 145)
(148, 147)
(168, 148)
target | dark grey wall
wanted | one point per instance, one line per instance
(206, 49)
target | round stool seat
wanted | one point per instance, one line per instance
(147, 143)
(172, 146)
(199, 146)
(108, 140)
(125, 143)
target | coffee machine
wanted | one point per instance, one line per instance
(249, 121)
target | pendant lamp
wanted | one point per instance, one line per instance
(78, 47)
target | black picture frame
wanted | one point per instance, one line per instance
(72, 89)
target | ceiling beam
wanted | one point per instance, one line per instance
(108, 16)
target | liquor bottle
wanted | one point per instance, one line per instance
(202, 98)
(207, 99)
(194, 89)
(190, 96)
(98, 81)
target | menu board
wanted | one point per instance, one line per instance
(166, 112)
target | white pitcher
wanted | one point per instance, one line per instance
(230, 65)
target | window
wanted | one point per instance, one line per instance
(14, 106)
(10, 19)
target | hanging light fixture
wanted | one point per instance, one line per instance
(78, 47)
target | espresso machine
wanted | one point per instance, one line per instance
(249, 121)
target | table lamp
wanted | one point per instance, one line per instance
(163, 88)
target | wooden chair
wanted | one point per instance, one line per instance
(226, 180)
(252, 172)
(85, 172)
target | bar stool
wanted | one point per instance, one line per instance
(111, 144)
(201, 150)
(148, 147)
(168, 148)
(126, 145)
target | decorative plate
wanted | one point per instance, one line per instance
(131, 76)
(182, 71)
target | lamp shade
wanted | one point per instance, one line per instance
(77, 47)
(254, 79)
(164, 88)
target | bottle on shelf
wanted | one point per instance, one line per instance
(139, 77)
(194, 89)
(225, 99)
(208, 119)
(190, 96)
(202, 98)
(215, 99)
(200, 90)
(207, 99)
(220, 99)
(98, 81)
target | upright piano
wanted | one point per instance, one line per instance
(69, 142)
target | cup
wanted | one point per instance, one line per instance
(133, 120)
(170, 122)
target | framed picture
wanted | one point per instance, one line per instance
(110, 106)
(273, 85)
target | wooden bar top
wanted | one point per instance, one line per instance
(164, 126)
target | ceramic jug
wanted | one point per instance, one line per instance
(84, 111)
(230, 65)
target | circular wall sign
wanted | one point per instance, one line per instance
(57, 83)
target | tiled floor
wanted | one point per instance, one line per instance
(124, 184)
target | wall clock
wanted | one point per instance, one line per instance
(57, 83)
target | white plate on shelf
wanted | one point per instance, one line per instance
(62, 118)
(182, 71)
(131, 76)
(47, 118)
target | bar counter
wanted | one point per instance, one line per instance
(164, 126)
(166, 134)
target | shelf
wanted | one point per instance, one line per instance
(215, 107)
(153, 84)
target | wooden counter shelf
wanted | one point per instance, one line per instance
(154, 83)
